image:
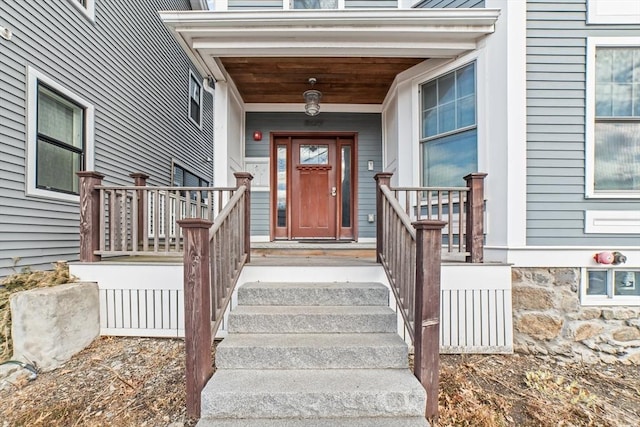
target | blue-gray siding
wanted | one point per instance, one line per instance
(450, 3)
(556, 63)
(369, 130)
(277, 4)
(129, 67)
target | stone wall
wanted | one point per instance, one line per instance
(548, 319)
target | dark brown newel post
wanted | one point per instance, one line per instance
(140, 180)
(89, 215)
(244, 178)
(426, 340)
(475, 217)
(197, 309)
(382, 178)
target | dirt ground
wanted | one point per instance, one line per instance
(140, 382)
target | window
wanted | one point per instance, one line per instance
(60, 138)
(611, 286)
(195, 99)
(315, 4)
(613, 119)
(449, 135)
(184, 178)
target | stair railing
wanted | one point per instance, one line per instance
(215, 253)
(140, 219)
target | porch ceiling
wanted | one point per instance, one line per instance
(341, 80)
(354, 54)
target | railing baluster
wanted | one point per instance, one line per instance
(450, 219)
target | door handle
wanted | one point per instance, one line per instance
(333, 191)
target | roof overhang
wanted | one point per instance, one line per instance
(412, 33)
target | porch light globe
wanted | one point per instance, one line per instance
(312, 102)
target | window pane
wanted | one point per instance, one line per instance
(617, 156)
(315, 4)
(346, 186)
(56, 167)
(429, 95)
(446, 88)
(467, 111)
(59, 119)
(466, 81)
(622, 100)
(597, 283)
(447, 160)
(430, 123)
(604, 100)
(627, 283)
(622, 65)
(195, 98)
(281, 202)
(604, 65)
(446, 117)
(314, 154)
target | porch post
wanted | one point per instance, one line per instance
(382, 178)
(244, 178)
(89, 215)
(140, 180)
(426, 340)
(475, 217)
(197, 309)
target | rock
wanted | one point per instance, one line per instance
(516, 276)
(541, 277)
(590, 313)
(587, 331)
(619, 314)
(52, 324)
(627, 333)
(531, 298)
(539, 326)
(634, 322)
(634, 358)
(569, 302)
(565, 276)
(608, 359)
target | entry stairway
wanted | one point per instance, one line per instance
(312, 355)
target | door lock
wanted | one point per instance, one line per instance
(333, 191)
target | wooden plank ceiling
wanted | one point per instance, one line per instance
(341, 80)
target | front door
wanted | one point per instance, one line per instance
(314, 178)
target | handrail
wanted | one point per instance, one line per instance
(215, 253)
(410, 253)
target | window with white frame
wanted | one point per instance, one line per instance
(449, 131)
(616, 121)
(315, 4)
(195, 99)
(60, 138)
(184, 178)
(611, 286)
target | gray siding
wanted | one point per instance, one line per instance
(368, 127)
(129, 67)
(556, 63)
(450, 3)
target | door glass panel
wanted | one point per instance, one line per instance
(345, 182)
(314, 154)
(281, 195)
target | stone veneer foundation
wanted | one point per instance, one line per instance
(548, 319)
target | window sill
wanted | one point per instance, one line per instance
(53, 195)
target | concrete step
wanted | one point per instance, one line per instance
(311, 319)
(314, 293)
(329, 393)
(318, 422)
(312, 351)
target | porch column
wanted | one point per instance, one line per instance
(89, 215)
(197, 309)
(244, 178)
(382, 178)
(140, 180)
(475, 217)
(426, 339)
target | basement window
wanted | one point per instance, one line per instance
(611, 286)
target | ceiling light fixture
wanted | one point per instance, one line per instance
(312, 99)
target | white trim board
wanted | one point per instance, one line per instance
(614, 222)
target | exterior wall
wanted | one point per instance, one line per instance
(136, 76)
(368, 127)
(549, 320)
(556, 65)
(450, 3)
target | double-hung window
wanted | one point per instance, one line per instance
(616, 127)
(60, 144)
(60, 138)
(195, 99)
(449, 131)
